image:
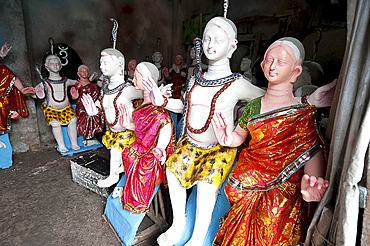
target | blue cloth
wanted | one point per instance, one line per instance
(123, 221)
(6, 153)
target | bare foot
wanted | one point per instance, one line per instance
(172, 235)
(108, 182)
(63, 149)
(75, 147)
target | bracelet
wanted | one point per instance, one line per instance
(304, 99)
(165, 102)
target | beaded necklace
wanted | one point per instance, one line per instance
(50, 81)
(114, 104)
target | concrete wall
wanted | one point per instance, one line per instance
(85, 26)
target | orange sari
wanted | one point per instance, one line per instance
(264, 188)
(11, 99)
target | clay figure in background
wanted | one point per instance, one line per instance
(87, 125)
(163, 70)
(155, 140)
(12, 103)
(282, 167)
(199, 158)
(178, 76)
(245, 67)
(193, 67)
(131, 70)
(115, 91)
(56, 106)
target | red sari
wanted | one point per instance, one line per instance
(143, 170)
(264, 188)
(11, 99)
(87, 126)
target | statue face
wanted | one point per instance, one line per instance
(83, 73)
(245, 65)
(216, 44)
(54, 65)
(109, 66)
(192, 53)
(132, 65)
(157, 57)
(278, 64)
(138, 79)
(178, 60)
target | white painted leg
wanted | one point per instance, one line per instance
(58, 135)
(206, 200)
(115, 163)
(178, 202)
(72, 133)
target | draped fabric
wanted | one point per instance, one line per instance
(87, 126)
(350, 120)
(11, 99)
(264, 187)
(143, 170)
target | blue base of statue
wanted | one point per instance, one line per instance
(221, 207)
(80, 140)
(6, 153)
(123, 221)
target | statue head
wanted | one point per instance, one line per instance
(112, 62)
(178, 60)
(53, 64)
(192, 53)
(145, 70)
(83, 72)
(283, 60)
(245, 64)
(132, 64)
(157, 57)
(219, 38)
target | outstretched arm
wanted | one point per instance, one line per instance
(24, 90)
(158, 99)
(164, 138)
(313, 186)
(223, 132)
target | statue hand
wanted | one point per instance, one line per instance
(160, 154)
(154, 92)
(312, 188)
(39, 89)
(166, 90)
(28, 90)
(93, 76)
(124, 118)
(5, 48)
(323, 96)
(165, 72)
(221, 130)
(74, 93)
(89, 105)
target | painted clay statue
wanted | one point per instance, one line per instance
(193, 67)
(155, 140)
(199, 158)
(283, 165)
(56, 106)
(87, 125)
(131, 70)
(163, 70)
(245, 67)
(115, 91)
(178, 76)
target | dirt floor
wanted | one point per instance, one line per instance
(41, 205)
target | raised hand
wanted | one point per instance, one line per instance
(312, 188)
(166, 90)
(74, 93)
(124, 116)
(39, 90)
(323, 96)
(155, 95)
(5, 48)
(221, 129)
(89, 105)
